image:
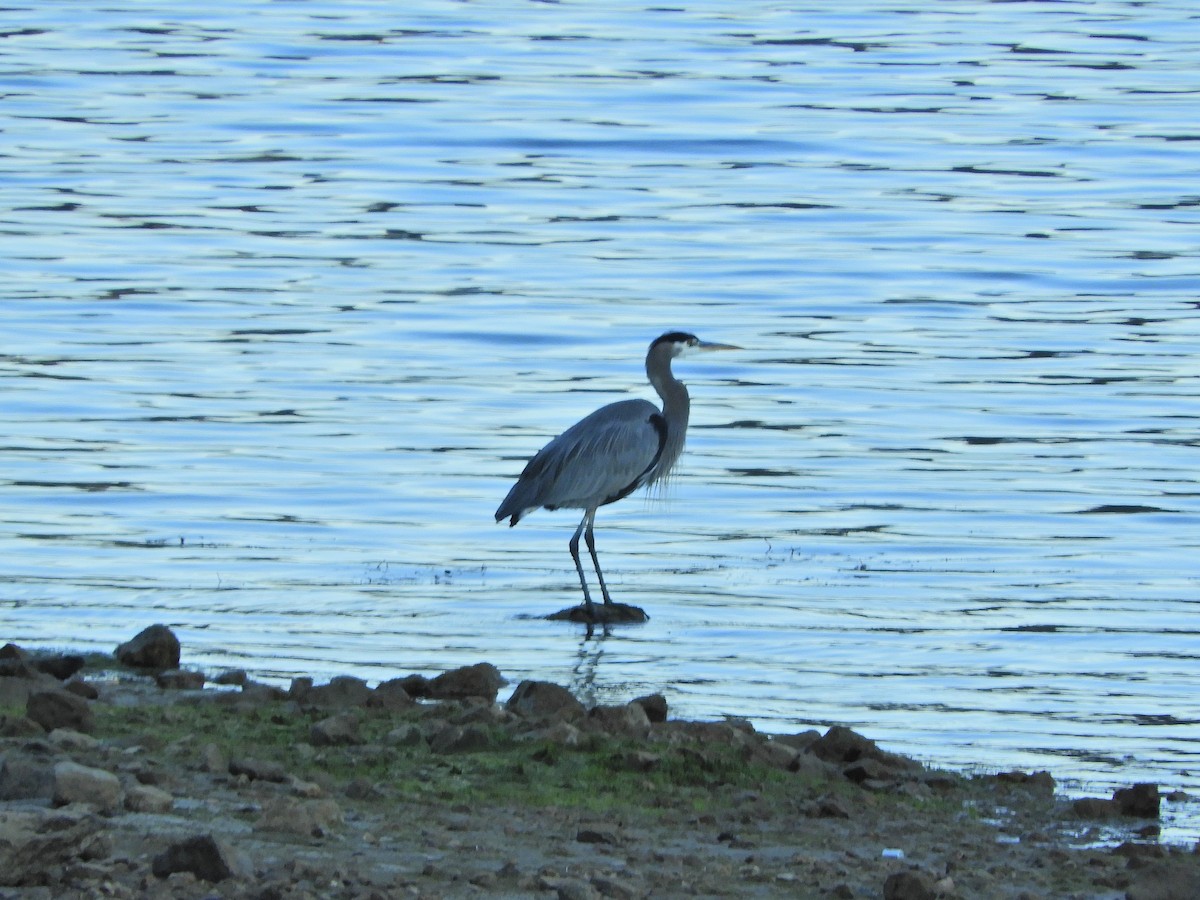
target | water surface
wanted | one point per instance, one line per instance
(292, 291)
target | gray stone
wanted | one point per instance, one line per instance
(629, 720)
(26, 777)
(146, 798)
(154, 648)
(258, 770)
(1140, 800)
(342, 692)
(1170, 879)
(59, 709)
(34, 841)
(545, 700)
(336, 730)
(390, 695)
(206, 856)
(74, 783)
(480, 680)
(908, 885)
(179, 680)
(655, 706)
(460, 739)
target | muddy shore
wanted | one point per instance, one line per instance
(149, 781)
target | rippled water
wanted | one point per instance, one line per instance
(292, 290)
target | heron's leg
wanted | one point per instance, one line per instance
(587, 597)
(591, 545)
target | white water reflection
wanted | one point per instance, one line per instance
(292, 291)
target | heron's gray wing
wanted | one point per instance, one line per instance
(599, 459)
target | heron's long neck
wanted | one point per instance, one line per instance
(676, 406)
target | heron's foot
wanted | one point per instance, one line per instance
(601, 614)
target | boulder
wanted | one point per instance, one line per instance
(206, 856)
(35, 841)
(655, 706)
(145, 798)
(60, 709)
(1140, 800)
(628, 720)
(480, 680)
(179, 680)
(154, 648)
(342, 692)
(258, 770)
(544, 700)
(338, 730)
(460, 739)
(908, 885)
(1170, 879)
(25, 776)
(74, 783)
(390, 695)
(306, 818)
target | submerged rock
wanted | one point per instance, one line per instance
(602, 614)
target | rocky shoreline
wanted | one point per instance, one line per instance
(133, 778)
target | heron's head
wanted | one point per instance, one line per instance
(679, 343)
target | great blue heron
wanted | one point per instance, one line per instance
(610, 454)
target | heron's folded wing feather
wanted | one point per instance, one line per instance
(596, 460)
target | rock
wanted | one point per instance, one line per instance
(208, 857)
(480, 680)
(74, 783)
(25, 777)
(1041, 782)
(655, 707)
(628, 720)
(59, 665)
(390, 694)
(596, 836)
(305, 818)
(257, 770)
(235, 677)
(14, 691)
(70, 740)
(254, 693)
(154, 648)
(809, 765)
(1140, 800)
(461, 739)
(1093, 808)
(601, 614)
(338, 730)
(179, 680)
(908, 885)
(545, 700)
(36, 841)
(801, 741)
(868, 770)
(59, 709)
(414, 685)
(342, 692)
(1171, 879)
(405, 735)
(841, 745)
(19, 727)
(81, 688)
(213, 760)
(146, 798)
